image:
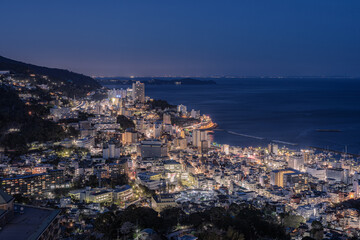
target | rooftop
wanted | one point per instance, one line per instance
(171, 162)
(28, 225)
(122, 188)
(4, 197)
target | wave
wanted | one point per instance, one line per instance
(245, 135)
(287, 143)
(261, 138)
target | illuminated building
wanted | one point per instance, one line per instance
(115, 169)
(95, 195)
(166, 119)
(289, 178)
(338, 174)
(182, 134)
(182, 109)
(38, 169)
(195, 114)
(138, 92)
(150, 179)
(204, 146)
(152, 149)
(62, 113)
(297, 180)
(99, 197)
(162, 201)
(157, 130)
(116, 93)
(87, 132)
(172, 166)
(277, 176)
(32, 184)
(123, 193)
(296, 162)
(86, 142)
(173, 170)
(111, 150)
(226, 149)
(319, 173)
(273, 148)
(356, 185)
(199, 136)
(129, 137)
(180, 143)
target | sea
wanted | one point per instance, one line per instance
(286, 111)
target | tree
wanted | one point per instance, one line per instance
(103, 221)
(126, 228)
(125, 122)
(171, 217)
(93, 181)
(195, 219)
(146, 191)
(59, 192)
(143, 216)
(293, 221)
(73, 132)
(21, 199)
(106, 223)
(158, 103)
(234, 235)
(317, 230)
(210, 235)
(119, 180)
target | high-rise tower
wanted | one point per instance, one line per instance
(138, 92)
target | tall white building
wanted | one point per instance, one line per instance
(198, 136)
(182, 109)
(226, 149)
(319, 173)
(297, 162)
(138, 92)
(157, 130)
(273, 148)
(166, 118)
(195, 114)
(111, 151)
(356, 185)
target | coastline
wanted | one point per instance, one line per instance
(242, 113)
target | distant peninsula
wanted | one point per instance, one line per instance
(154, 81)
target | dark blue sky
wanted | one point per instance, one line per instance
(185, 37)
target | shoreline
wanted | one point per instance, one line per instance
(265, 140)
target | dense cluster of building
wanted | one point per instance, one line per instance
(170, 160)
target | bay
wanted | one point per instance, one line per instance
(281, 109)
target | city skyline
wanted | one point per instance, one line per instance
(123, 162)
(180, 120)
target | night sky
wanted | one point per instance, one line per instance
(185, 37)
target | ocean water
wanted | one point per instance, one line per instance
(289, 110)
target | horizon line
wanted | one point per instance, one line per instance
(224, 76)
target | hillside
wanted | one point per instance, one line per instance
(69, 82)
(21, 124)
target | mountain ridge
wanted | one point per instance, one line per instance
(74, 81)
